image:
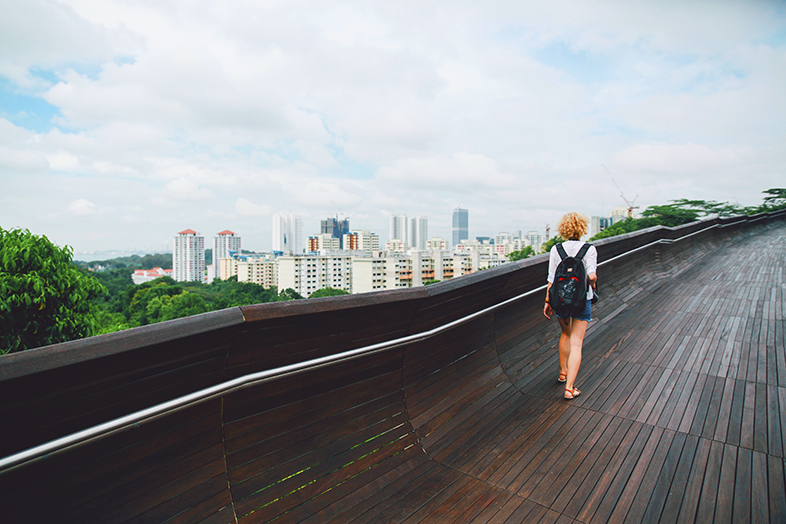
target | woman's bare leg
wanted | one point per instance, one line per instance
(564, 346)
(576, 330)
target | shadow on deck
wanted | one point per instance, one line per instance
(681, 417)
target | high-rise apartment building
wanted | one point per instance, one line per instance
(188, 257)
(362, 240)
(323, 242)
(307, 273)
(417, 235)
(398, 228)
(288, 234)
(460, 225)
(223, 243)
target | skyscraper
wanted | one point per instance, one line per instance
(460, 225)
(288, 234)
(398, 227)
(188, 257)
(335, 228)
(418, 232)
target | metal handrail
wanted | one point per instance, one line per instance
(137, 418)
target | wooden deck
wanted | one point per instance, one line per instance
(681, 418)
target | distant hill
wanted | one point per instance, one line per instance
(162, 260)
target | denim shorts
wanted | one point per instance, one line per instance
(584, 315)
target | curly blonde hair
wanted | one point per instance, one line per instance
(573, 225)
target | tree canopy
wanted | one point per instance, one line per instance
(44, 298)
(327, 292)
(527, 252)
(546, 246)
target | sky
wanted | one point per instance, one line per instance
(125, 122)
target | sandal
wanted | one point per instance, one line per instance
(563, 377)
(570, 394)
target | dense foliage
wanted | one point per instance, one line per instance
(327, 292)
(44, 298)
(527, 252)
(165, 299)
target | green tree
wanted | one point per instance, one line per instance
(527, 252)
(44, 298)
(432, 281)
(546, 246)
(139, 311)
(775, 199)
(166, 307)
(289, 294)
(626, 226)
(668, 215)
(327, 292)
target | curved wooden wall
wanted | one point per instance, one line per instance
(310, 445)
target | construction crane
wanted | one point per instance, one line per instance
(630, 205)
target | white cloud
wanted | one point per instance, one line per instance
(186, 189)
(245, 208)
(22, 162)
(82, 207)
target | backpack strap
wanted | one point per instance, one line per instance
(583, 250)
(580, 255)
(562, 253)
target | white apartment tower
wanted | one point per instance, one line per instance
(288, 234)
(223, 243)
(188, 257)
(398, 227)
(418, 232)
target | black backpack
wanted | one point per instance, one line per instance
(568, 292)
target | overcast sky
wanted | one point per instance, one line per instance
(124, 122)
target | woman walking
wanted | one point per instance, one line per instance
(572, 227)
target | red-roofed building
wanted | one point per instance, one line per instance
(223, 245)
(141, 276)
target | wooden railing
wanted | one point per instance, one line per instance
(309, 428)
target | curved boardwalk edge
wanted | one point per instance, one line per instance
(468, 425)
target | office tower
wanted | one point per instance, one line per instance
(288, 234)
(460, 225)
(188, 257)
(398, 227)
(335, 228)
(418, 232)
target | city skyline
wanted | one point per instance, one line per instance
(122, 124)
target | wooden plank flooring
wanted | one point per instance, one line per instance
(681, 417)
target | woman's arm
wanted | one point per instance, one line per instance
(547, 308)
